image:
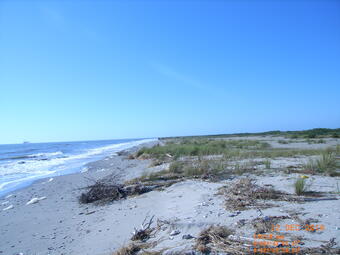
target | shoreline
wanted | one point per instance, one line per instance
(79, 169)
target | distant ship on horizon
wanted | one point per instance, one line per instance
(24, 142)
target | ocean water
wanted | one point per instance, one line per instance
(21, 164)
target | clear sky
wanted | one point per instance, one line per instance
(77, 70)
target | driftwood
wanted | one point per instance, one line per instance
(264, 224)
(144, 232)
(218, 240)
(109, 189)
(139, 240)
(104, 191)
(309, 199)
(246, 194)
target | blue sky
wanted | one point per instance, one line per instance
(77, 70)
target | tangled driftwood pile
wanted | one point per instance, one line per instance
(246, 194)
(265, 224)
(144, 232)
(220, 239)
(109, 189)
(104, 191)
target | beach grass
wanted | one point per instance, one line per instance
(300, 186)
(198, 147)
(218, 158)
(284, 141)
(326, 163)
(231, 149)
(187, 169)
(267, 163)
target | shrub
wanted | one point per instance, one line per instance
(311, 141)
(311, 135)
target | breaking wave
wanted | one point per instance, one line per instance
(18, 169)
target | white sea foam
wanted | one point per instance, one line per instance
(46, 155)
(16, 172)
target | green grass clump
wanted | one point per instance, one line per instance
(245, 167)
(300, 186)
(206, 169)
(325, 164)
(311, 166)
(176, 167)
(267, 163)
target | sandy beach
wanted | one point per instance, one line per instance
(58, 224)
